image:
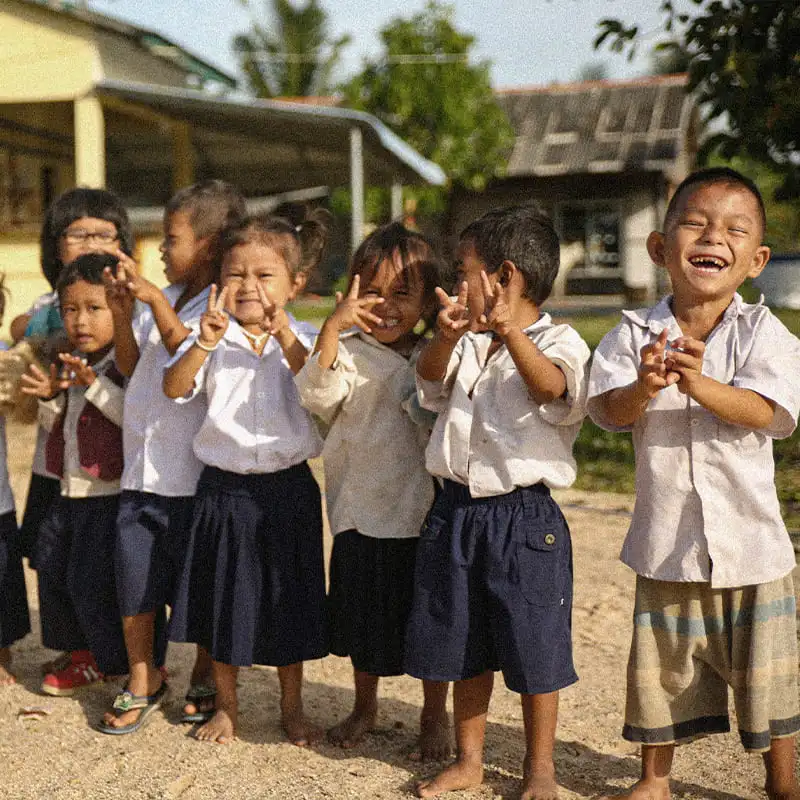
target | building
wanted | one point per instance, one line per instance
(601, 157)
(88, 100)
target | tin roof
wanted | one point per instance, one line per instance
(598, 126)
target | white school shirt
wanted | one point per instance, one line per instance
(706, 507)
(157, 434)
(255, 423)
(491, 435)
(374, 454)
(108, 398)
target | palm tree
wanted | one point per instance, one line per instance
(293, 56)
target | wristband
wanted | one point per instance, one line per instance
(205, 347)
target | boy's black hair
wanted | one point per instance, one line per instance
(523, 235)
(88, 267)
(300, 240)
(414, 250)
(711, 175)
(211, 205)
(76, 204)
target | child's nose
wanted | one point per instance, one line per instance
(712, 232)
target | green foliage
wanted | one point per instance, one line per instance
(744, 69)
(425, 88)
(293, 55)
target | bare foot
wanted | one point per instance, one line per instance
(298, 729)
(352, 730)
(7, 677)
(644, 790)
(435, 741)
(539, 787)
(461, 775)
(221, 729)
(790, 794)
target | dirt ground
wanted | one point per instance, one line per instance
(60, 755)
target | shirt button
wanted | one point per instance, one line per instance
(695, 422)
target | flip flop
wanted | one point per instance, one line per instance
(197, 693)
(127, 701)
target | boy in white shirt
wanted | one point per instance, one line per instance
(705, 382)
(493, 585)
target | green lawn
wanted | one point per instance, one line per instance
(605, 460)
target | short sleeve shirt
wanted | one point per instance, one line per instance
(706, 507)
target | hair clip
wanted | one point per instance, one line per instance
(298, 228)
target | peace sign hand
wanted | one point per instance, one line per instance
(496, 310)
(276, 320)
(214, 321)
(352, 310)
(453, 319)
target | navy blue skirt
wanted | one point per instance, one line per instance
(493, 591)
(42, 491)
(77, 588)
(252, 590)
(14, 619)
(371, 589)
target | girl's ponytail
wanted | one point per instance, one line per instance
(312, 226)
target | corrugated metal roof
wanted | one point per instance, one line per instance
(598, 126)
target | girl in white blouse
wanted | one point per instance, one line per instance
(378, 491)
(253, 587)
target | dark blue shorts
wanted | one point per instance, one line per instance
(14, 619)
(371, 589)
(152, 537)
(42, 492)
(493, 591)
(252, 589)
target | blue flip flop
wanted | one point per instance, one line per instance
(127, 701)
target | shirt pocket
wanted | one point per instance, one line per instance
(542, 562)
(513, 398)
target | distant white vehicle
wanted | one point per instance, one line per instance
(780, 281)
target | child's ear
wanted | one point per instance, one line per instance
(655, 247)
(760, 260)
(506, 273)
(298, 284)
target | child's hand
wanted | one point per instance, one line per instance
(654, 374)
(685, 358)
(276, 320)
(354, 310)
(126, 284)
(453, 319)
(214, 321)
(496, 311)
(45, 386)
(78, 369)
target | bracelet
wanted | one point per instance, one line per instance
(205, 347)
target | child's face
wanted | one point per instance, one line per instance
(469, 266)
(87, 235)
(248, 265)
(181, 250)
(712, 243)
(403, 301)
(88, 322)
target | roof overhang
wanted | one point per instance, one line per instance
(292, 145)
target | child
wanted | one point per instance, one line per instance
(253, 588)
(81, 408)
(79, 221)
(493, 583)
(376, 485)
(705, 382)
(14, 619)
(161, 471)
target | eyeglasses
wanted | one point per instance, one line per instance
(79, 236)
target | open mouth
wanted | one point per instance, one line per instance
(708, 263)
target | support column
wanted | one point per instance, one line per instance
(90, 142)
(356, 188)
(182, 156)
(397, 202)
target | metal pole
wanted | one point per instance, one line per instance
(356, 187)
(397, 202)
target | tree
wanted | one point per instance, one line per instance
(745, 71)
(294, 56)
(425, 88)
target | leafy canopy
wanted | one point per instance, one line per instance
(424, 87)
(291, 56)
(745, 68)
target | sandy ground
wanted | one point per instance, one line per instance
(61, 756)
